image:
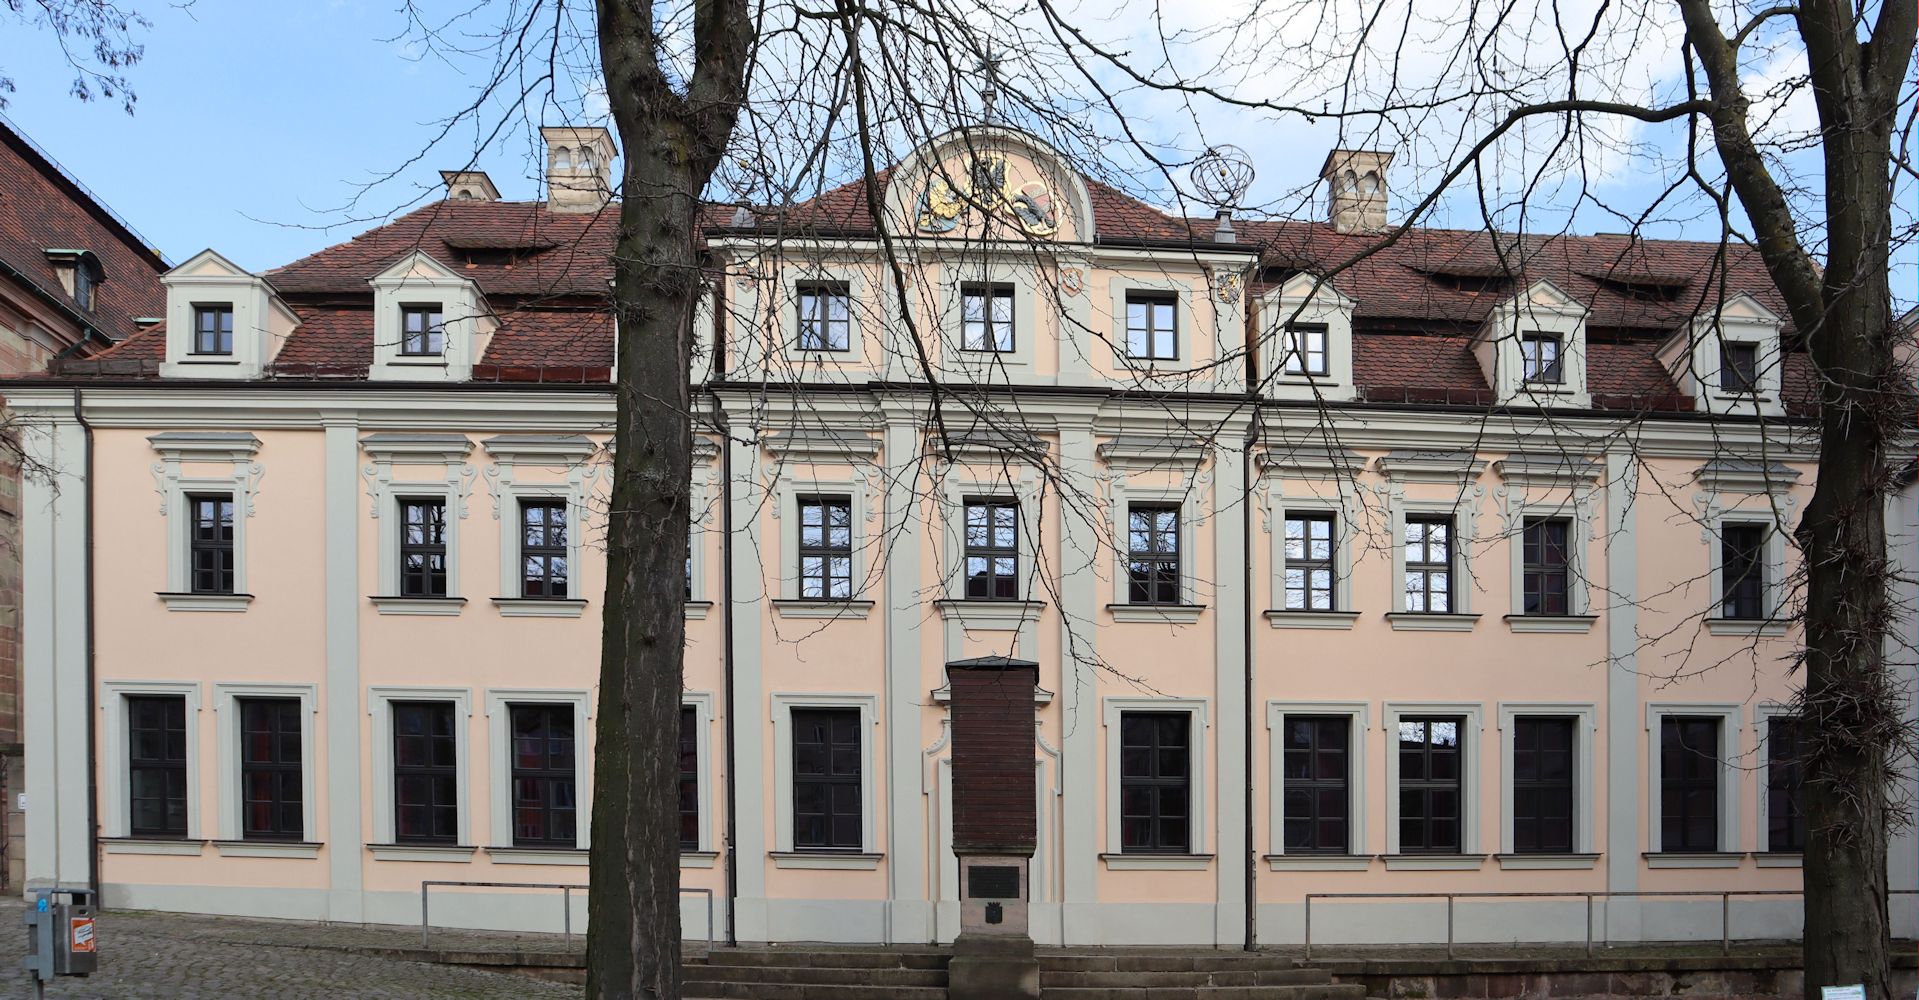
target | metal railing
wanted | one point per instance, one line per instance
(566, 903)
(1725, 906)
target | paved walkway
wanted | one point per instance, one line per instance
(202, 958)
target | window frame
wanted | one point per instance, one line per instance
(1729, 818)
(1199, 735)
(498, 706)
(991, 292)
(115, 811)
(1766, 854)
(1471, 771)
(991, 552)
(276, 769)
(1531, 568)
(823, 290)
(1543, 372)
(549, 776)
(383, 792)
(1408, 566)
(1745, 381)
(825, 550)
(1313, 782)
(703, 853)
(1179, 558)
(548, 551)
(222, 335)
(1292, 350)
(197, 544)
(1358, 715)
(448, 453)
(1676, 726)
(165, 764)
(227, 762)
(435, 771)
(1330, 564)
(1152, 299)
(831, 780)
(400, 504)
(1542, 787)
(785, 855)
(1759, 565)
(1457, 785)
(1585, 794)
(424, 336)
(1157, 783)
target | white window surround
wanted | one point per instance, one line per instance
(211, 279)
(1775, 569)
(499, 734)
(379, 705)
(1461, 617)
(448, 452)
(1521, 500)
(1186, 329)
(1024, 491)
(566, 455)
(1024, 281)
(701, 702)
(1358, 714)
(1762, 830)
(176, 449)
(418, 279)
(1692, 356)
(116, 785)
(859, 313)
(226, 708)
(784, 854)
(1199, 736)
(1540, 308)
(702, 499)
(1125, 457)
(1305, 479)
(1473, 728)
(788, 491)
(1585, 795)
(1729, 775)
(1296, 301)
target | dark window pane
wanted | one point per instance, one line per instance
(689, 779)
(210, 532)
(1742, 571)
(272, 790)
(1153, 570)
(826, 548)
(1155, 782)
(425, 773)
(1689, 783)
(1785, 780)
(1545, 565)
(543, 548)
(422, 547)
(1316, 778)
(990, 538)
(157, 765)
(1543, 784)
(1430, 785)
(828, 800)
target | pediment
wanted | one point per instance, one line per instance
(418, 267)
(209, 263)
(1302, 284)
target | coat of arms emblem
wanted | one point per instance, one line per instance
(946, 199)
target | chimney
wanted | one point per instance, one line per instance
(1356, 189)
(469, 185)
(579, 168)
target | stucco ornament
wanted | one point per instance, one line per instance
(943, 202)
(1227, 285)
(1072, 281)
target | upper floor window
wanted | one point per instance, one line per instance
(210, 543)
(1155, 782)
(1152, 326)
(1306, 349)
(1785, 780)
(826, 548)
(1429, 564)
(544, 810)
(422, 547)
(992, 550)
(1153, 554)
(1545, 565)
(213, 328)
(1539, 359)
(272, 789)
(826, 317)
(829, 802)
(426, 785)
(1689, 783)
(543, 548)
(1738, 366)
(422, 332)
(1742, 571)
(157, 765)
(1309, 562)
(986, 318)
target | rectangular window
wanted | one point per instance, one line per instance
(826, 548)
(422, 547)
(1429, 565)
(1155, 782)
(213, 329)
(544, 811)
(826, 317)
(992, 550)
(1785, 778)
(1152, 326)
(986, 318)
(272, 789)
(1539, 359)
(426, 773)
(1689, 783)
(1738, 366)
(543, 569)
(689, 779)
(210, 543)
(157, 765)
(1309, 562)
(1742, 571)
(422, 332)
(1543, 784)
(1545, 565)
(828, 800)
(1318, 796)
(1431, 790)
(1306, 349)
(1153, 554)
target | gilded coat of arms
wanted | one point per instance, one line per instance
(943, 202)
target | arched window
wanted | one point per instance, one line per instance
(1369, 184)
(466, 194)
(586, 159)
(562, 159)
(1349, 181)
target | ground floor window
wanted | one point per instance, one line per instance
(545, 813)
(1155, 782)
(1431, 789)
(1318, 771)
(1689, 783)
(828, 798)
(1544, 763)
(272, 787)
(157, 765)
(426, 784)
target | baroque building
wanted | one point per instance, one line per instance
(1462, 565)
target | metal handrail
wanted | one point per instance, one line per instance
(1725, 905)
(566, 903)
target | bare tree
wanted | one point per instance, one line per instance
(96, 38)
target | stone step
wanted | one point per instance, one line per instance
(810, 991)
(804, 974)
(1217, 977)
(1171, 962)
(851, 958)
(1320, 992)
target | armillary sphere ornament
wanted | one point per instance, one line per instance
(1222, 175)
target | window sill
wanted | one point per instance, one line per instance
(1544, 862)
(1157, 862)
(205, 602)
(808, 608)
(1311, 619)
(435, 362)
(990, 616)
(1693, 859)
(1418, 621)
(266, 849)
(191, 360)
(699, 859)
(825, 860)
(1434, 862)
(420, 852)
(418, 605)
(152, 845)
(537, 855)
(1551, 623)
(1167, 614)
(698, 610)
(1747, 627)
(538, 607)
(1319, 862)
(1780, 859)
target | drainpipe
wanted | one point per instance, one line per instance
(93, 768)
(1252, 708)
(726, 668)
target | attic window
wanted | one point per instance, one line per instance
(83, 287)
(80, 272)
(1738, 366)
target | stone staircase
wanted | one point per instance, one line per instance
(840, 973)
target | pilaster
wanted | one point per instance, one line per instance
(749, 709)
(1079, 583)
(54, 670)
(1624, 724)
(1230, 665)
(343, 711)
(909, 911)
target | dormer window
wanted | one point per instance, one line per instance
(1739, 367)
(83, 287)
(1306, 350)
(1539, 359)
(422, 331)
(213, 329)
(80, 274)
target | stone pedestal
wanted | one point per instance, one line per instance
(992, 967)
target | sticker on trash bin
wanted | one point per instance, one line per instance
(1842, 992)
(81, 929)
(42, 905)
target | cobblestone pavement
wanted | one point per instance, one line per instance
(201, 958)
